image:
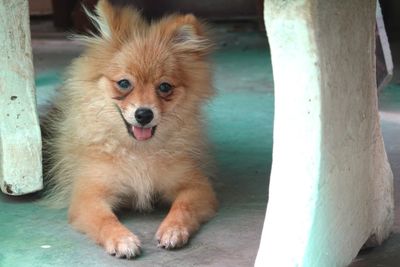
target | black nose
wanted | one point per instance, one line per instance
(144, 116)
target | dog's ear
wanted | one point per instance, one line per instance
(188, 34)
(116, 23)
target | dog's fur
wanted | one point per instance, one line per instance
(96, 164)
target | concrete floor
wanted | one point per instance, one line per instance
(32, 235)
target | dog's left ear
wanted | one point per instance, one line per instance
(116, 23)
(188, 34)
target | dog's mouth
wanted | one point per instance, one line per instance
(137, 132)
(142, 134)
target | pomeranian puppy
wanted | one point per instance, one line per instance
(126, 128)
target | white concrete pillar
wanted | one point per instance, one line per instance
(20, 141)
(331, 186)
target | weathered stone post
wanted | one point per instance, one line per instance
(20, 141)
(331, 185)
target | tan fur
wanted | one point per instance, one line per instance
(96, 166)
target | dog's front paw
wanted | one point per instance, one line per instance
(171, 237)
(125, 246)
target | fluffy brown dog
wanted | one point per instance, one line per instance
(127, 128)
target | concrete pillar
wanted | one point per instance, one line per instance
(20, 141)
(331, 186)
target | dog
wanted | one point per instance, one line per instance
(126, 128)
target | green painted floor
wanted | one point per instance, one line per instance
(240, 128)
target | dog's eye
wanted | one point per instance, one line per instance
(165, 88)
(124, 85)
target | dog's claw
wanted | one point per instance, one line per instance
(126, 247)
(173, 237)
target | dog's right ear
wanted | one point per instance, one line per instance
(187, 33)
(115, 23)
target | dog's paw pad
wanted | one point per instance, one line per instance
(124, 247)
(172, 237)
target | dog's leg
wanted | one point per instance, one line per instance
(194, 203)
(91, 213)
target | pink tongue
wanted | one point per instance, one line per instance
(141, 134)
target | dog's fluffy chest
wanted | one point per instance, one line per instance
(141, 177)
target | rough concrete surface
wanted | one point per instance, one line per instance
(20, 141)
(388, 254)
(327, 130)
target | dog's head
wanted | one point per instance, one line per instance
(151, 72)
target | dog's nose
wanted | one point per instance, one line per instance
(144, 116)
